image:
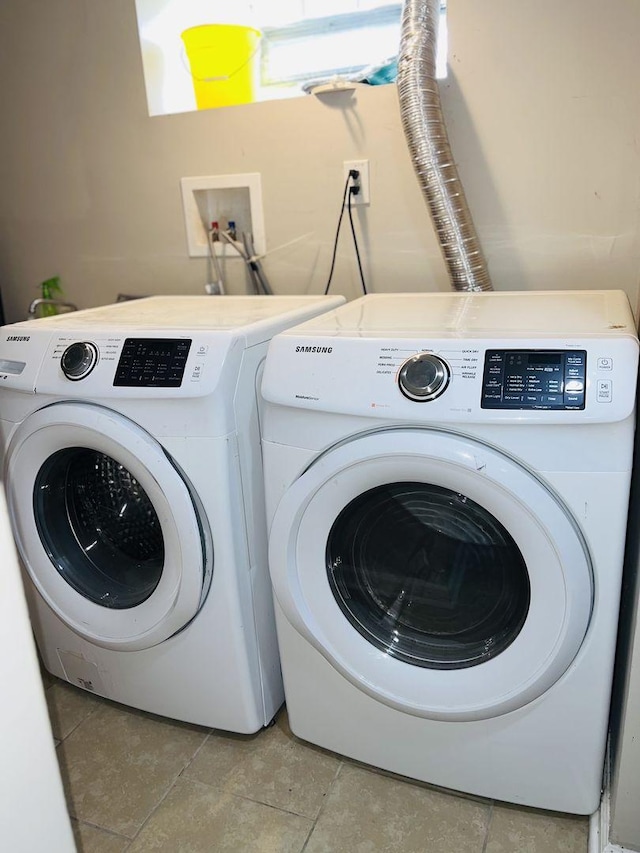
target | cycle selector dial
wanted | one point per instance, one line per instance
(424, 377)
(78, 360)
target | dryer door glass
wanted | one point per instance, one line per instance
(428, 575)
(98, 527)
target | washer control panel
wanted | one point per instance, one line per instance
(152, 363)
(534, 379)
(108, 364)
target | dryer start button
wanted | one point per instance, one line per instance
(424, 377)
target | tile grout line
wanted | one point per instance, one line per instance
(257, 802)
(486, 835)
(111, 832)
(220, 790)
(170, 787)
(324, 804)
(154, 809)
(60, 752)
(168, 790)
(197, 752)
(253, 800)
(93, 711)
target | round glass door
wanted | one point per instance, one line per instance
(98, 527)
(433, 572)
(106, 525)
(428, 575)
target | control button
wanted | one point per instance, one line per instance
(605, 363)
(552, 399)
(512, 398)
(604, 392)
(78, 360)
(573, 399)
(573, 386)
(424, 377)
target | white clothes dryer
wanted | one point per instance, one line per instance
(133, 472)
(447, 478)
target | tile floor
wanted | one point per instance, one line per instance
(135, 782)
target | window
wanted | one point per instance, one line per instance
(205, 53)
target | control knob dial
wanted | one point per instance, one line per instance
(424, 377)
(79, 359)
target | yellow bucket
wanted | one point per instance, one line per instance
(222, 58)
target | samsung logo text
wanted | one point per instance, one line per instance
(18, 337)
(314, 349)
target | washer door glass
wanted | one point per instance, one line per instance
(428, 575)
(98, 527)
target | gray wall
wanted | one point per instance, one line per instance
(542, 105)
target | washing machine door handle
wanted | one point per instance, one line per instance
(555, 608)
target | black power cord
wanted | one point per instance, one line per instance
(349, 191)
(354, 191)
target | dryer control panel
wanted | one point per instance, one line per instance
(534, 379)
(447, 380)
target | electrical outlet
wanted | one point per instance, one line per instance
(361, 166)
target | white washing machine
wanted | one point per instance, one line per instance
(132, 466)
(447, 478)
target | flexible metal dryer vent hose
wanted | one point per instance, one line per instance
(428, 142)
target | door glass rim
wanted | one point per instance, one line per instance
(73, 562)
(355, 582)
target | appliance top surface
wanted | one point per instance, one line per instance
(184, 313)
(523, 314)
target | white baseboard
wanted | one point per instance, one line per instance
(599, 824)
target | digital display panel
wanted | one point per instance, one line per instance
(545, 358)
(534, 379)
(152, 363)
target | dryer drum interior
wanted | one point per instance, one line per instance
(428, 575)
(99, 527)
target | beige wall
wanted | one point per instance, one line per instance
(543, 110)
